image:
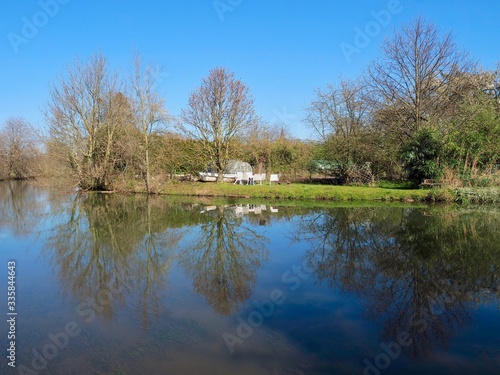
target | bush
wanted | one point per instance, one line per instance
(420, 156)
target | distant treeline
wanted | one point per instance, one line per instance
(423, 109)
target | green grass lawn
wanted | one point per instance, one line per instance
(308, 192)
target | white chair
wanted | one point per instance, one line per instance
(273, 178)
(258, 178)
(248, 177)
(238, 178)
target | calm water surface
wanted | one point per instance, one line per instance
(125, 285)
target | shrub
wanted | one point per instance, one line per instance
(420, 156)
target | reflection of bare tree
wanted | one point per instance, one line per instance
(155, 258)
(107, 246)
(417, 270)
(20, 206)
(223, 260)
(349, 233)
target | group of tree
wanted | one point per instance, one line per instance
(103, 130)
(100, 126)
(423, 107)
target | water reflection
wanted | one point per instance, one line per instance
(223, 258)
(105, 247)
(417, 270)
(21, 206)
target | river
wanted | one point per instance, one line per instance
(115, 284)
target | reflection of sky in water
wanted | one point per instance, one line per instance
(163, 318)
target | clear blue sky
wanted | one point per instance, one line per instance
(282, 49)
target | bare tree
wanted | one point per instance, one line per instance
(218, 112)
(80, 125)
(340, 110)
(338, 115)
(149, 108)
(19, 153)
(411, 80)
(126, 138)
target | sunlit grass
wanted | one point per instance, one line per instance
(308, 192)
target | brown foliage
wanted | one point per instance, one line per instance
(19, 152)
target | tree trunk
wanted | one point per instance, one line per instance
(146, 138)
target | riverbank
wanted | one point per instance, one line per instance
(296, 191)
(385, 192)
